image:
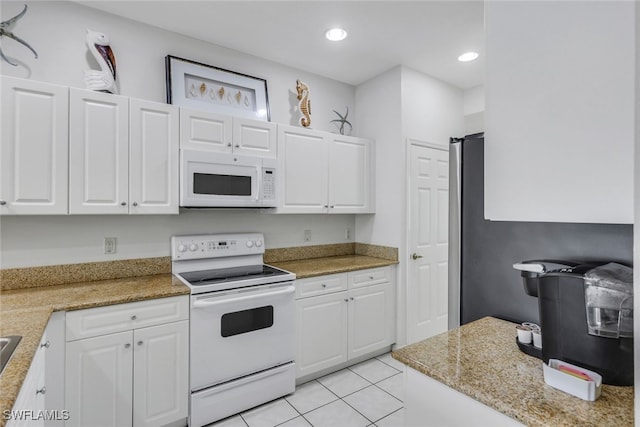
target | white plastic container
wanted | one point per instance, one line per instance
(584, 389)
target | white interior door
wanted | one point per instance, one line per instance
(427, 284)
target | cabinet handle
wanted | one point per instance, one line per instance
(123, 203)
(135, 203)
(416, 256)
(43, 390)
(134, 317)
(3, 202)
(140, 342)
(127, 345)
(46, 344)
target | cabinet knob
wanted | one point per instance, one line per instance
(351, 298)
(127, 345)
(332, 206)
(237, 145)
(326, 206)
(370, 277)
(43, 390)
(46, 344)
(324, 285)
(140, 342)
(134, 317)
(135, 203)
(416, 256)
(123, 203)
(346, 300)
(229, 144)
(3, 202)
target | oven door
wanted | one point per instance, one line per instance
(240, 332)
(209, 179)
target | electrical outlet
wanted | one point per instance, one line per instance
(110, 245)
(347, 233)
(307, 235)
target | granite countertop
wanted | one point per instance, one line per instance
(25, 312)
(482, 360)
(331, 265)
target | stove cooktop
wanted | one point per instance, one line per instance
(232, 274)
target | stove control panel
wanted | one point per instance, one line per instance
(202, 246)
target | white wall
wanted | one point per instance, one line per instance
(401, 104)
(57, 31)
(474, 100)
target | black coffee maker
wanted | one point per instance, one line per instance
(586, 314)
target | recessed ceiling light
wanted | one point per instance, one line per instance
(469, 56)
(336, 34)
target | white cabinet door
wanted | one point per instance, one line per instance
(559, 137)
(98, 153)
(153, 149)
(161, 373)
(322, 332)
(98, 375)
(31, 398)
(302, 161)
(34, 147)
(254, 137)
(349, 175)
(371, 319)
(203, 130)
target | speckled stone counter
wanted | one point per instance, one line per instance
(482, 360)
(25, 312)
(330, 265)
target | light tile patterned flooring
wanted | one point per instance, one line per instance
(367, 394)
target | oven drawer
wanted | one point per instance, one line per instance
(372, 276)
(320, 285)
(110, 319)
(230, 398)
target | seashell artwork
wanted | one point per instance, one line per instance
(203, 88)
(238, 96)
(246, 101)
(192, 90)
(221, 92)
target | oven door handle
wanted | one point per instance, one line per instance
(218, 301)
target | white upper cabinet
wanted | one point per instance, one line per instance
(203, 130)
(559, 111)
(349, 175)
(33, 147)
(302, 163)
(324, 172)
(98, 153)
(153, 160)
(123, 155)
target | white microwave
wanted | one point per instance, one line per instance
(223, 180)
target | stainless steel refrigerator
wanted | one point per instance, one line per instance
(482, 281)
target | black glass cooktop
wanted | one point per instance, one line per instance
(233, 274)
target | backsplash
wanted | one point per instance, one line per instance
(32, 277)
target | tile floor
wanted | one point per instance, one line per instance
(366, 394)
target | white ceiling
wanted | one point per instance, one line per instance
(423, 35)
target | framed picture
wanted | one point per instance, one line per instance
(204, 87)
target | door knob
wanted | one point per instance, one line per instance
(416, 256)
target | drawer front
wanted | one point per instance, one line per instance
(123, 317)
(372, 276)
(321, 285)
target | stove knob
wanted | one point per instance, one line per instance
(193, 247)
(182, 248)
(249, 243)
(258, 243)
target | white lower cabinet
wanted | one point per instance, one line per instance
(335, 325)
(132, 377)
(39, 402)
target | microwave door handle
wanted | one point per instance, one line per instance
(219, 301)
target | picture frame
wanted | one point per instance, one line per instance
(200, 86)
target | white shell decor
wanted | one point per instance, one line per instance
(304, 104)
(215, 92)
(105, 78)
